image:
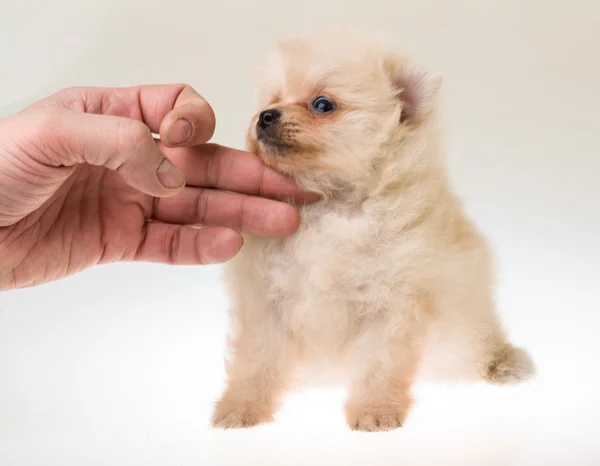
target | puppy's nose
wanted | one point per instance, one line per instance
(268, 118)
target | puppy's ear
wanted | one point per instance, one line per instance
(416, 89)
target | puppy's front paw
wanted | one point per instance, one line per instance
(240, 415)
(375, 418)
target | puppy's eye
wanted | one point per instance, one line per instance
(323, 105)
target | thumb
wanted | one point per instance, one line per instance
(117, 143)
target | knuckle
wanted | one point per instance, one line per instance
(73, 90)
(129, 137)
(47, 128)
(186, 89)
(173, 245)
(244, 215)
(132, 135)
(202, 206)
(188, 94)
(213, 169)
(46, 122)
(263, 181)
(72, 97)
(43, 136)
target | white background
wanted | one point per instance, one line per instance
(120, 365)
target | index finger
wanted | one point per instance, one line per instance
(166, 109)
(221, 167)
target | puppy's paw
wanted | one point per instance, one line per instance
(375, 418)
(509, 365)
(240, 415)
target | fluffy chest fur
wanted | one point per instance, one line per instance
(343, 269)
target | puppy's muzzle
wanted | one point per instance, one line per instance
(269, 129)
(268, 119)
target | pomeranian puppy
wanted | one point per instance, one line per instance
(386, 278)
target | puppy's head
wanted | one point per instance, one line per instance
(333, 109)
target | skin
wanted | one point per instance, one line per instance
(83, 182)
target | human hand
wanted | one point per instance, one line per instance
(83, 182)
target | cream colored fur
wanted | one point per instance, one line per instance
(386, 279)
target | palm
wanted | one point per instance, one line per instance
(93, 218)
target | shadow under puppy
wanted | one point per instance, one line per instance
(387, 278)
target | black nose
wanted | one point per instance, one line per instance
(268, 118)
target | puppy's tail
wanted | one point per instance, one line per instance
(509, 365)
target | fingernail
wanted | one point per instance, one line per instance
(224, 246)
(169, 175)
(310, 197)
(181, 132)
(279, 220)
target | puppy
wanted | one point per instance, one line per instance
(386, 279)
